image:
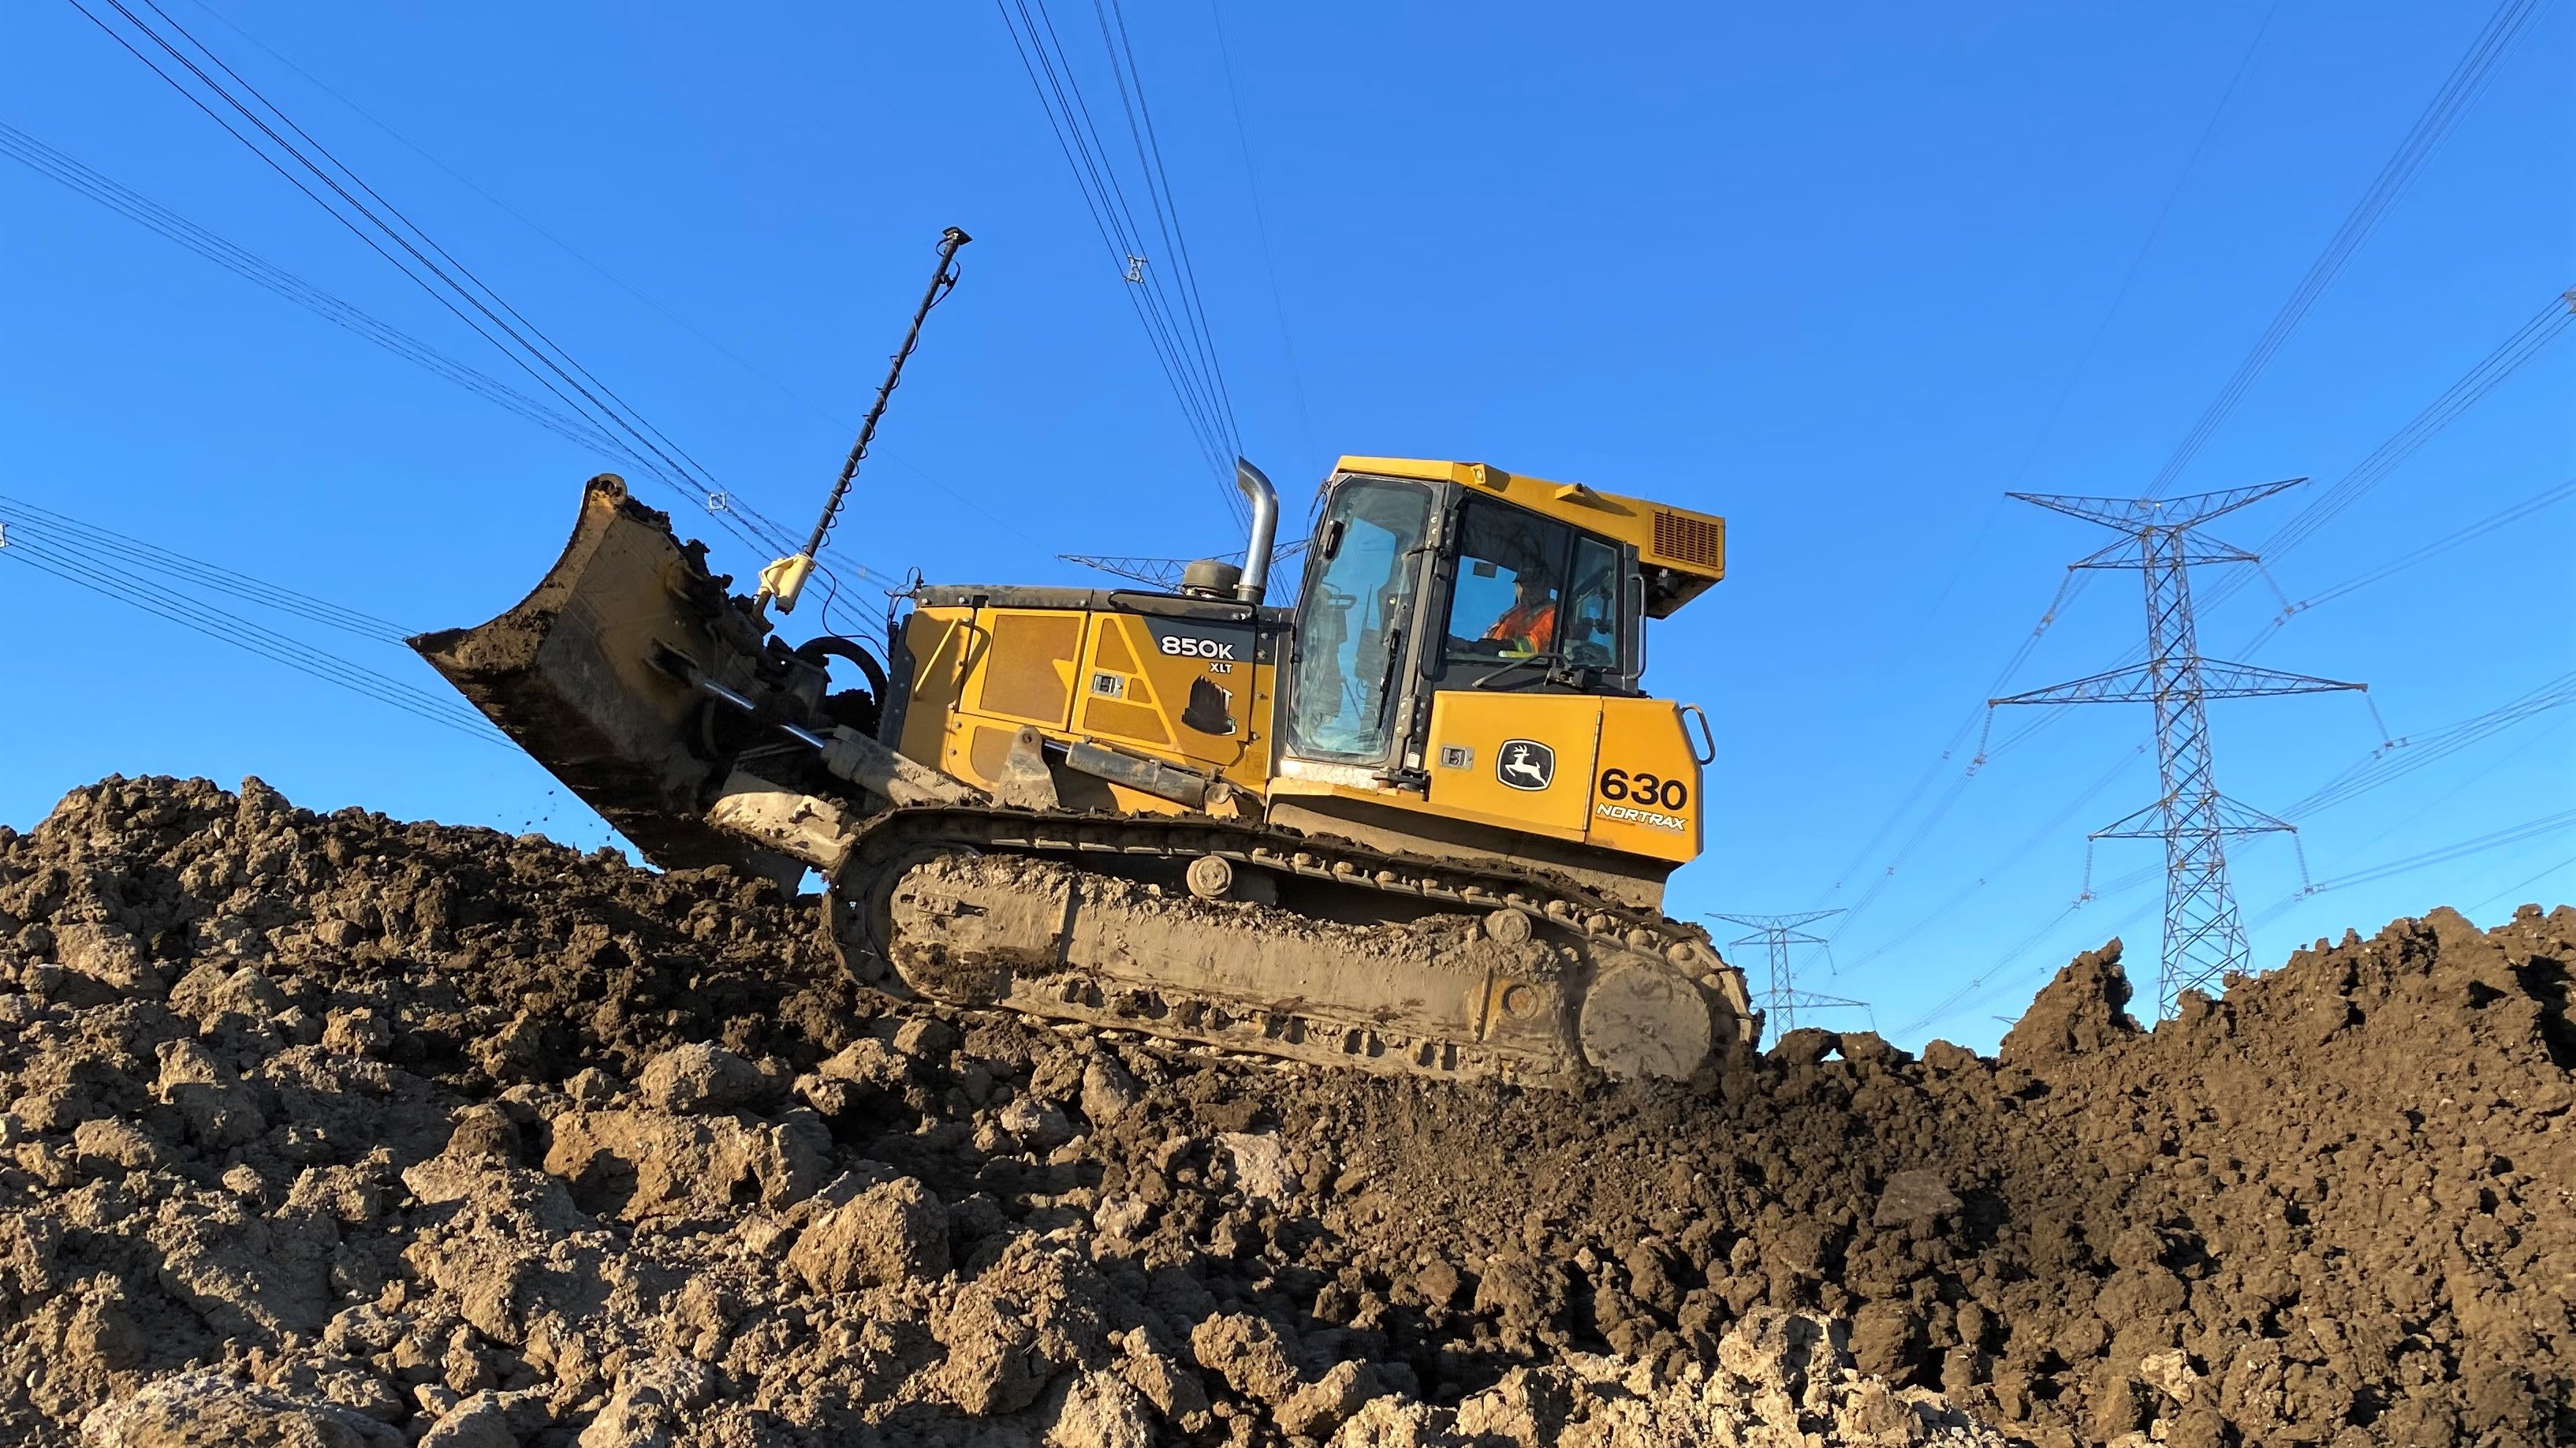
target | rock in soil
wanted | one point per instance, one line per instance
(334, 1130)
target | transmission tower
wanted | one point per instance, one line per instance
(2204, 938)
(1780, 1005)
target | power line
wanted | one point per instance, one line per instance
(45, 160)
(50, 555)
(2545, 825)
(639, 294)
(2401, 757)
(1261, 225)
(2554, 320)
(2524, 884)
(1116, 227)
(1167, 212)
(567, 248)
(2546, 498)
(2543, 735)
(456, 291)
(429, 266)
(1165, 307)
(2467, 78)
(1960, 898)
(619, 282)
(114, 553)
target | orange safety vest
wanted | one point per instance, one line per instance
(1533, 627)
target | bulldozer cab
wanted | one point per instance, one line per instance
(1426, 579)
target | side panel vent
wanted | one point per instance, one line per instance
(1697, 542)
(1028, 663)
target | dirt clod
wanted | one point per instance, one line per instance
(339, 1132)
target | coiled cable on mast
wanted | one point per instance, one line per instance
(783, 580)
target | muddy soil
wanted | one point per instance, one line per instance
(342, 1131)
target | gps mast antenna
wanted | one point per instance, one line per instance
(785, 579)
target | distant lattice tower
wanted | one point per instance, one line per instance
(2204, 938)
(1782, 1002)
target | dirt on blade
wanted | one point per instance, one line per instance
(336, 1130)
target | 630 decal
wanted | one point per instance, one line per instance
(1647, 791)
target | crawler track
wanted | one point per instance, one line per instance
(1446, 971)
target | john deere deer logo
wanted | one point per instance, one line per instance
(1525, 764)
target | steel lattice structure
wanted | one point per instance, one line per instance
(2204, 937)
(1165, 573)
(1780, 1005)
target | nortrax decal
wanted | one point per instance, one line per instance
(1628, 814)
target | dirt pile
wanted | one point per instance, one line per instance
(338, 1131)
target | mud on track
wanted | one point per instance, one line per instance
(335, 1130)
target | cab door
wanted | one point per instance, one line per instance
(1519, 761)
(1353, 670)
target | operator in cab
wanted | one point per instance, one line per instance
(1529, 625)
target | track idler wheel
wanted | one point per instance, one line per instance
(1641, 1020)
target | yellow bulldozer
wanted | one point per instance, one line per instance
(1420, 819)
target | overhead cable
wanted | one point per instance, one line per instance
(753, 369)
(2403, 756)
(2554, 320)
(45, 160)
(1159, 198)
(429, 266)
(2541, 501)
(1160, 281)
(386, 230)
(1261, 224)
(2520, 885)
(2046, 832)
(112, 553)
(2467, 78)
(33, 548)
(2545, 825)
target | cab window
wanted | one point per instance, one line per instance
(1510, 583)
(1352, 622)
(1588, 631)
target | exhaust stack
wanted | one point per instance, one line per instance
(1265, 530)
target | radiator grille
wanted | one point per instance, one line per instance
(1695, 541)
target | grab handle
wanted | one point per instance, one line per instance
(1707, 752)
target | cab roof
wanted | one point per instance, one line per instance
(1688, 547)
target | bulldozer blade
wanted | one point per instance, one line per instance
(595, 674)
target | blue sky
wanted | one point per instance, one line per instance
(1841, 274)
